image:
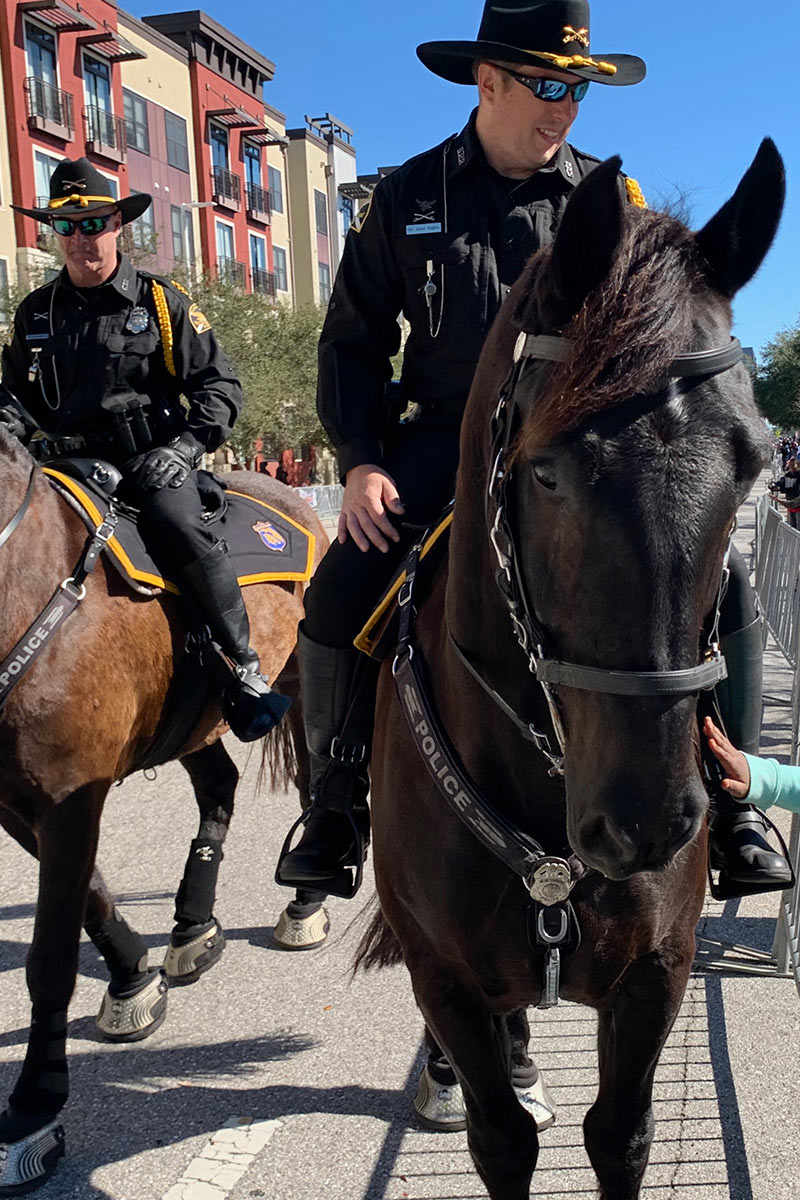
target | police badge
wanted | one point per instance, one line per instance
(138, 320)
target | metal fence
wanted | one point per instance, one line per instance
(326, 502)
(778, 587)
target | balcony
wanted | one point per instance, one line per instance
(258, 205)
(231, 271)
(49, 109)
(105, 133)
(264, 282)
(226, 189)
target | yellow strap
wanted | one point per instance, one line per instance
(634, 193)
(165, 325)
(565, 61)
(84, 201)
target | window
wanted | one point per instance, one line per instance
(219, 146)
(258, 253)
(135, 110)
(321, 210)
(176, 219)
(43, 167)
(276, 189)
(324, 283)
(279, 262)
(224, 240)
(346, 209)
(252, 164)
(97, 78)
(143, 230)
(40, 47)
(177, 143)
(3, 291)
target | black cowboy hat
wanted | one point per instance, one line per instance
(547, 33)
(77, 189)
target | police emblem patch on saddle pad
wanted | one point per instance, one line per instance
(266, 545)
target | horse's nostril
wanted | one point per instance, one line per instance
(604, 836)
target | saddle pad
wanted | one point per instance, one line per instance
(266, 545)
(378, 636)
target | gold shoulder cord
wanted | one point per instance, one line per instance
(634, 193)
(165, 325)
(179, 286)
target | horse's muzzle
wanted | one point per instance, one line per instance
(620, 843)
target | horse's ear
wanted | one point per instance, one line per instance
(587, 238)
(734, 242)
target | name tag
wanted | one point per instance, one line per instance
(432, 227)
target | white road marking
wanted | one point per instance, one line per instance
(215, 1172)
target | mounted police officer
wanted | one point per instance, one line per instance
(442, 240)
(97, 362)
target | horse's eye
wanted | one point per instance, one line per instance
(544, 474)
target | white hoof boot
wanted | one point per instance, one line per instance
(186, 963)
(302, 933)
(24, 1165)
(131, 1018)
(539, 1103)
(439, 1106)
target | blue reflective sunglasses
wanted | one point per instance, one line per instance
(550, 90)
(89, 226)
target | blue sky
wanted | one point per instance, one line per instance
(717, 83)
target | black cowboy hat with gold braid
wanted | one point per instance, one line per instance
(77, 189)
(550, 33)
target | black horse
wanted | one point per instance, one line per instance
(602, 492)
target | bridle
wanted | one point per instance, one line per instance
(12, 525)
(528, 630)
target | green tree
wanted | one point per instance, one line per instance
(777, 384)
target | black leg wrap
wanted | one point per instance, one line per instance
(123, 949)
(194, 903)
(43, 1085)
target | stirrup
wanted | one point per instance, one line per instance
(347, 882)
(726, 888)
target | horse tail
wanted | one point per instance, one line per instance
(379, 946)
(278, 758)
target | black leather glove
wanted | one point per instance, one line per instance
(13, 423)
(169, 466)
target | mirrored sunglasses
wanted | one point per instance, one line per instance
(89, 226)
(550, 90)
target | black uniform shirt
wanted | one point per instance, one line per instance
(73, 347)
(444, 218)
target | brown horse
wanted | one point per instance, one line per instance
(608, 510)
(80, 719)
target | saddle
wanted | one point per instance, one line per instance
(379, 636)
(266, 545)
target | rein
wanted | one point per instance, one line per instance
(6, 533)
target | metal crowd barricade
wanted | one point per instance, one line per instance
(778, 588)
(326, 502)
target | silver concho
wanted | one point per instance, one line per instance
(138, 320)
(551, 881)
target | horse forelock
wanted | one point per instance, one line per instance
(626, 333)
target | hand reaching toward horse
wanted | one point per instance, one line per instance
(734, 763)
(369, 496)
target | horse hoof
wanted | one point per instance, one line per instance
(133, 1016)
(439, 1106)
(536, 1100)
(27, 1163)
(187, 962)
(302, 933)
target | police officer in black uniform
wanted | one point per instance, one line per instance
(98, 361)
(442, 240)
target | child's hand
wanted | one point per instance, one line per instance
(734, 763)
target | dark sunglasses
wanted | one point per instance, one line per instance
(551, 90)
(89, 226)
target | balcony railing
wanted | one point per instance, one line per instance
(226, 188)
(231, 271)
(49, 109)
(264, 282)
(105, 133)
(258, 205)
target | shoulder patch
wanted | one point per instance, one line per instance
(634, 193)
(199, 321)
(362, 214)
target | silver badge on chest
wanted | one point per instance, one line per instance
(138, 320)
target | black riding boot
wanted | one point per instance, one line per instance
(337, 686)
(249, 704)
(739, 850)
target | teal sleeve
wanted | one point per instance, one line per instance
(772, 782)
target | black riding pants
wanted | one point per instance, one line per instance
(349, 582)
(171, 521)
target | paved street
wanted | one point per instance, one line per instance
(324, 1065)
